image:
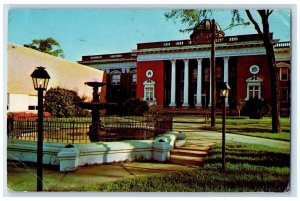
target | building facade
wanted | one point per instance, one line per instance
(177, 74)
(22, 61)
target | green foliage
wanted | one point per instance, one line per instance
(191, 17)
(136, 107)
(60, 102)
(256, 108)
(49, 46)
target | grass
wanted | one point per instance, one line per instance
(246, 126)
(249, 168)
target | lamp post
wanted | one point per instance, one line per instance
(40, 79)
(224, 92)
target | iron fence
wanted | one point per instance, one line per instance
(76, 130)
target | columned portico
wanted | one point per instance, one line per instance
(186, 84)
(173, 83)
(199, 83)
(226, 75)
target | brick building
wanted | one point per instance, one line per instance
(171, 74)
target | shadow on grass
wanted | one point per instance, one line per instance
(254, 157)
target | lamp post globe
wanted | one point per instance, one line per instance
(40, 79)
(224, 93)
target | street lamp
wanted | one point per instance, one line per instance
(224, 93)
(40, 79)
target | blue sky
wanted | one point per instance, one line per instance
(104, 31)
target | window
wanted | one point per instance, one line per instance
(253, 88)
(133, 78)
(149, 92)
(195, 74)
(284, 94)
(206, 74)
(32, 107)
(284, 74)
(219, 73)
(254, 91)
(115, 77)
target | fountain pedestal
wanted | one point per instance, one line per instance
(95, 129)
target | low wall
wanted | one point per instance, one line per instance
(21, 150)
(69, 157)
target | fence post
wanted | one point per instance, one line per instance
(73, 131)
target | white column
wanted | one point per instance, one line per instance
(226, 75)
(173, 83)
(210, 82)
(186, 83)
(199, 83)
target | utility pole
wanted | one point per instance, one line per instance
(213, 73)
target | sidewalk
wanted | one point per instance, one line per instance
(22, 177)
(195, 135)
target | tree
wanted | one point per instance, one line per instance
(49, 46)
(60, 102)
(191, 17)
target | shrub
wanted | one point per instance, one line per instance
(60, 102)
(136, 107)
(256, 108)
(22, 116)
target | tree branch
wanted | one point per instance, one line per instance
(269, 12)
(256, 26)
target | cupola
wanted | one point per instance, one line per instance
(202, 32)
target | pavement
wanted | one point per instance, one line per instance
(22, 177)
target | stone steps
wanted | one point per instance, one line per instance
(187, 160)
(194, 148)
(191, 155)
(188, 152)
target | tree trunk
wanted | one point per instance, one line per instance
(271, 61)
(274, 82)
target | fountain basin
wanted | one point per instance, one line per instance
(95, 84)
(95, 105)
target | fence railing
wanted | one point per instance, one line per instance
(76, 130)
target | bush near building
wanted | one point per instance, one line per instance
(256, 108)
(135, 107)
(61, 102)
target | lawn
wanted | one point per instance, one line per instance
(245, 126)
(249, 168)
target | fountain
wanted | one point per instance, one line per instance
(95, 129)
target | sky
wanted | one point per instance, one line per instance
(105, 31)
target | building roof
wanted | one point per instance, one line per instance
(22, 61)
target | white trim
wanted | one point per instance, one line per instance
(113, 65)
(173, 83)
(199, 83)
(186, 84)
(202, 54)
(280, 74)
(133, 71)
(115, 72)
(283, 64)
